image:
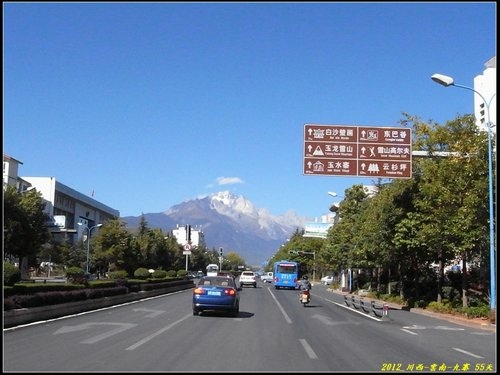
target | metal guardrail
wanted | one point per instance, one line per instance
(379, 310)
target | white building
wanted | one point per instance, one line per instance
(486, 84)
(11, 173)
(65, 206)
(69, 207)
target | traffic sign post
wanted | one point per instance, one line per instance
(220, 258)
(362, 151)
(187, 252)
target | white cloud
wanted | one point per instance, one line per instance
(228, 180)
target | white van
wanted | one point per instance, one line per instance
(267, 277)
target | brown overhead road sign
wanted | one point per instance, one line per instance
(363, 151)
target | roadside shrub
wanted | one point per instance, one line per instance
(11, 274)
(39, 299)
(24, 301)
(9, 304)
(32, 288)
(391, 298)
(19, 301)
(76, 275)
(452, 295)
(442, 307)
(142, 273)
(476, 311)
(52, 298)
(182, 273)
(335, 285)
(106, 292)
(171, 273)
(155, 285)
(101, 284)
(160, 274)
(122, 274)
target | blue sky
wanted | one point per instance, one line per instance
(151, 104)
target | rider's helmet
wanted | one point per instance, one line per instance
(304, 277)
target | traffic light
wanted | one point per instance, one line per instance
(220, 251)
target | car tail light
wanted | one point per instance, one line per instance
(199, 291)
(230, 292)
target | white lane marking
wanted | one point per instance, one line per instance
(308, 349)
(159, 332)
(287, 318)
(466, 352)
(410, 332)
(153, 314)
(120, 327)
(449, 328)
(414, 327)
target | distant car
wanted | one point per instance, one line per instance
(199, 274)
(216, 293)
(248, 278)
(327, 280)
(267, 277)
(226, 274)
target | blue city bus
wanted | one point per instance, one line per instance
(286, 274)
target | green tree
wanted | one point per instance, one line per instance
(438, 215)
(234, 260)
(452, 193)
(25, 224)
(113, 246)
(163, 249)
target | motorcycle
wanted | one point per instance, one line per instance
(305, 297)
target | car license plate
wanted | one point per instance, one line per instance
(213, 293)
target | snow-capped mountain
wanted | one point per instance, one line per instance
(228, 221)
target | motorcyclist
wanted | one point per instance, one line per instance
(304, 284)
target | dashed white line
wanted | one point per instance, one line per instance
(308, 349)
(287, 318)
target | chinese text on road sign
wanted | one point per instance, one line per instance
(362, 151)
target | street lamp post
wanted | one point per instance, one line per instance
(89, 231)
(448, 81)
(335, 206)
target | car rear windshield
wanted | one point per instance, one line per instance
(216, 281)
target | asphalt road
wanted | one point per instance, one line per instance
(273, 333)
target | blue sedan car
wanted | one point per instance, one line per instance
(216, 293)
